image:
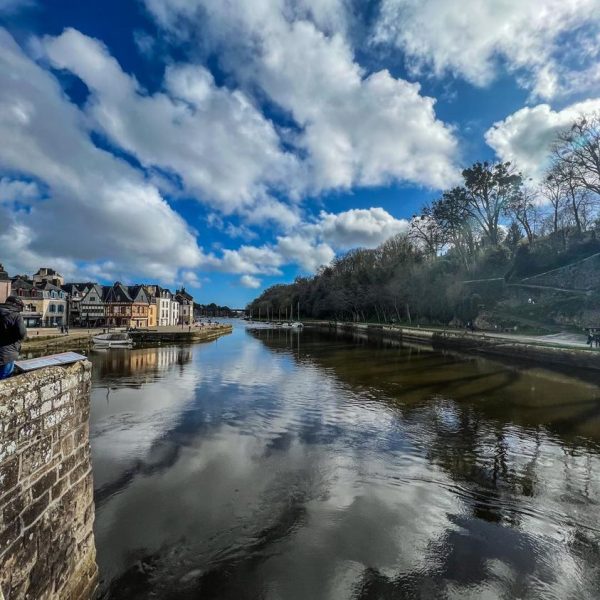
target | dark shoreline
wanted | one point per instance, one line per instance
(477, 344)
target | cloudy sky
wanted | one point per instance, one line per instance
(227, 144)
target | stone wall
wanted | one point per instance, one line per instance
(582, 275)
(47, 546)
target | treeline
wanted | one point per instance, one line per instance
(212, 310)
(496, 225)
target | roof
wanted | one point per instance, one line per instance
(47, 286)
(138, 293)
(77, 287)
(184, 294)
(99, 290)
(117, 294)
(45, 271)
(21, 284)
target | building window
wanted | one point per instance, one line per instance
(52, 308)
(61, 309)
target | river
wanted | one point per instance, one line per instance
(273, 464)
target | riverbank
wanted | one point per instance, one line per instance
(566, 351)
(81, 339)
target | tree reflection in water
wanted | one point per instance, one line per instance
(286, 465)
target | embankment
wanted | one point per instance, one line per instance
(47, 545)
(81, 340)
(479, 343)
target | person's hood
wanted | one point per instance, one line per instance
(9, 308)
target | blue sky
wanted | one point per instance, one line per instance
(230, 145)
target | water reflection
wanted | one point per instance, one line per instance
(274, 464)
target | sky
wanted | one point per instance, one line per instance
(227, 145)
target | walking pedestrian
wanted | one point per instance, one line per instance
(12, 333)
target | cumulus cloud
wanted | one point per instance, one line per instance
(354, 127)
(524, 137)
(313, 244)
(359, 227)
(219, 144)
(304, 251)
(474, 40)
(250, 282)
(98, 207)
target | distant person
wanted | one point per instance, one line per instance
(12, 332)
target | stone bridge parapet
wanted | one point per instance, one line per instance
(47, 546)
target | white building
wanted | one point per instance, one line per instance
(174, 319)
(163, 299)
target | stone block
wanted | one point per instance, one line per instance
(46, 407)
(81, 435)
(79, 472)
(28, 432)
(9, 535)
(67, 445)
(50, 390)
(14, 508)
(67, 465)
(7, 448)
(61, 400)
(55, 418)
(46, 490)
(70, 383)
(35, 510)
(44, 483)
(37, 456)
(59, 487)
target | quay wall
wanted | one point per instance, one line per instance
(477, 343)
(150, 337)
(47, 549)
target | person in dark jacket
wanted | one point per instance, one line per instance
(12, 332)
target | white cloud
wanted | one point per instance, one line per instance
(250, 282)
(15, 190)
(472, 40)
(263, 260)
(524, 137)
(355, 128)
(304, 251)
(220, 145)
(311, 244)
(98, 208)
(359, 227)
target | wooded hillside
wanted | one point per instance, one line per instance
(473, 250)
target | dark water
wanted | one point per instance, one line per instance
(272, 465)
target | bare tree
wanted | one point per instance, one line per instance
(577, 151)
(553, 191)
(524, 210)
(426, 232)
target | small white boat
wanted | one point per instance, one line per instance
(113, 340)
(296, 325)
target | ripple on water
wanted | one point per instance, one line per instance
(255, 469)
